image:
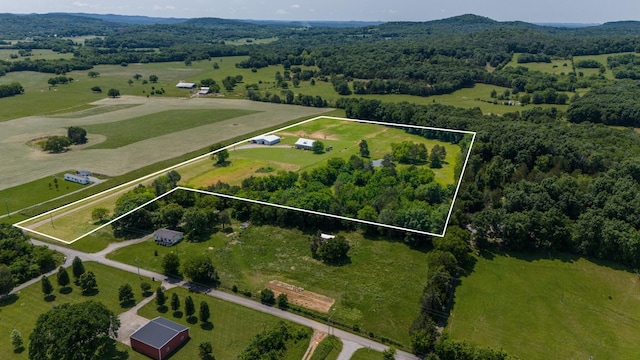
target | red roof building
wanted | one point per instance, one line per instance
(159, 338)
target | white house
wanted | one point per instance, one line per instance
(326, 236)
(204, 91)
(77, 179)
(265, 139)
(167, 237)
(186, 85)
(305, 144)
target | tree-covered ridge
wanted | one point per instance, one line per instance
(14, 27)
(611, 104)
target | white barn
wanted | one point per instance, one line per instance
(167, 237)
(84, 180)
(305, 144)
(265, 139)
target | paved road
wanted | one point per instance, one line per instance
(351, 342)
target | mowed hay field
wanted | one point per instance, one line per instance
(342, 135)
(535, 308)
(379, 290)
(26, 163)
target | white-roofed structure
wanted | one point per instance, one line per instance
(265, 139)
(305, 144)
(186, 85)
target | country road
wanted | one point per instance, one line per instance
(351, 342)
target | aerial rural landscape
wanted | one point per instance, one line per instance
(207, 188)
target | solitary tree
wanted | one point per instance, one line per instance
(146, 288)
(204, 350)
(77, 267)
(364, 149)
(93, 74)
(282, 301)
(171, 264)
(390, 353)
(113, 93)
(130, 82)
(317, 147)
(47, 288)
(224, 218)
(267, 297)
(77, 135)
(63, 277)
(137, 76)
(153, 79)
(189, 307)
(96, 89)
(6, 280)
(222, 157)
(88, 282)
(161, 298)
(73, 331)
(199, 268)
(16, 340)
(204, 314)
(99, 214)
(175, 302)
(125, 294)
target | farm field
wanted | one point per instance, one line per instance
(25, 163)
(233, 327)
(374, 291)
(22, 311)
(343, 136)
(602, 59)
(573, 308)
(36, 54)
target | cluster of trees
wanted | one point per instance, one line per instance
(20, 260)
(332, 251)
(613, 104)
(535, 182)
(533, 58)
(11, 89)
(272, 343)
(56, 144)
(286, 97)
(61, 79)
(626, 66)
(197, 268)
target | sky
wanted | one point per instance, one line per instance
(536, 11)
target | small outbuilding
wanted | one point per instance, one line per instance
(305, 144)
(159, 338)
(84, 180)
(265, 139)
(186, 85)
(167, 237)
(204, 91)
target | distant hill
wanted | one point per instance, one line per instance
(132, 19)
(14, 26)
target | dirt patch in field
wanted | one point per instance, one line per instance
(301, 297)
(316, 339)
(303, 134)
(323, 136)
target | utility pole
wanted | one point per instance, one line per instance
(7, 206)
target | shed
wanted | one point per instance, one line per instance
(204, 91)
(77, 179)
(83, 173)
(159, 338)
(265, 139)
(167, 237)
(305, 144)
(186, 85)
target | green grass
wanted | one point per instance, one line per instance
(35, 192)
(375, 291)
(129, 131)
(22, 311)
(366, 354)
(536, 308)
(328, 349)
(233, 327)
(602, 59)
(556, 66)
(36, 54)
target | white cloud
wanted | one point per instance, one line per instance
(295, 6)
(80, 5)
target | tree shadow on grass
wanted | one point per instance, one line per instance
(128, 304)
(206, 326)
(162, 309)
(50, 298)
(90, 292)
(66, 290)
(177, 314)
(8, 300)
(19, 350)
(111, 352)
(192, 319)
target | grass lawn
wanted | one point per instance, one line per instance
(328, 349)
(535, 308)
(129, 131)
(35, 192)
(366, 354)
(22, 311)
(233, 327)
(375, 291)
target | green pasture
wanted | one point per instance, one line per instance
(22, 311)
(328, 349)
(602, 59)
(366, 354)
(539, 308)
(374, 291)
(129, 131)
(556, 66)
(233, 327)
(37, 54)
(35, 192)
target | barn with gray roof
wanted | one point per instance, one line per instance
(159, 338)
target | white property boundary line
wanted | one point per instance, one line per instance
(162, 172)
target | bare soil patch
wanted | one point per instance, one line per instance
(301, 297)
